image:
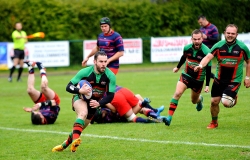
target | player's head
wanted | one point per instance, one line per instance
(231, 33)
(202, 20)
(197, 38)
(18, 26)
(105, 25)
(37, 118)
(100, 61)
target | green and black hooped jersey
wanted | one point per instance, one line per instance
(101, 83)
(193, 58)
(230, 60)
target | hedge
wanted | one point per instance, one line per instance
(79, 19)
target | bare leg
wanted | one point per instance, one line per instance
(49, 93)
(215, 109)
(33, 93)
(195, 97)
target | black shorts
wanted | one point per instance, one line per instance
(229, 88)
(91, 111)
(18, 54)
(191, 83)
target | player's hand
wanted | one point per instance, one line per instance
(197, 68)
(85, 89)
(36, 106)
(26, 109)
(247, 83)
(94, 103)
(84, 62)
(204, 36)
(175, 70)
(108, 61)
(206, 89)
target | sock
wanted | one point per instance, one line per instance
(140, 120)
(41, 68)
(215, 119)
(152, 114)
(20, 71)
(31, 70)
(39, 65)
(42, 72)
(150, 107)
(68, 141)
(77, 128)
(12, 71)
(169, 117)
(172, 107)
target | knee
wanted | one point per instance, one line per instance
(227, 101)
(177, 95)
(214, 103)
(82, 115)
(44, 87)
(30, 90)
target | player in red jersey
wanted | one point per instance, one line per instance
(124, 107)
(127, 104)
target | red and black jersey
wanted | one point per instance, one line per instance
(230, 60)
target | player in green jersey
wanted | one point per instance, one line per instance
(230, 54)
(192, 55)
(102, 80)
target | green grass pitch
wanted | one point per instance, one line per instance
(186, 138)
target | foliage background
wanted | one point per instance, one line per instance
(77, 20)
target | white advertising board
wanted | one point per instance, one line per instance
(168, 49)
(51, 54)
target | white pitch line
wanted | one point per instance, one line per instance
(130, 139)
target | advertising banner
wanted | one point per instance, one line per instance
(3, 56)
(168, 49)
(51, 54)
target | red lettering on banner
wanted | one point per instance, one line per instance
(167, 43)
(132, 44)
(89, 45)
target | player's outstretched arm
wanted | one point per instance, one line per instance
(204, 62)
(94, 50)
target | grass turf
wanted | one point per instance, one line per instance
(186, 137)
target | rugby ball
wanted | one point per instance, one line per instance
(81, 84)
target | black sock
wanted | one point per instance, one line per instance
(150, 107)
(152, 114)
(39, 65)
(140, 120)
(20, 71)
(12, 70)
